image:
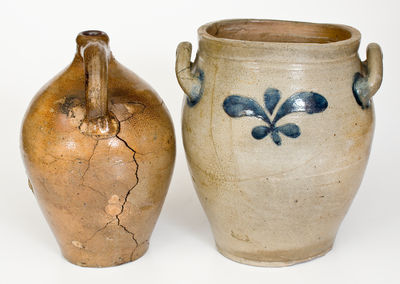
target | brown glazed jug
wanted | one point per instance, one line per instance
(99, 149)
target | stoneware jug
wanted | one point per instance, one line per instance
(277, 128)
(99, 149)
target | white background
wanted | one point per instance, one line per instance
(38, 40)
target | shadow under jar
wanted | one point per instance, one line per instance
(277, 128)
(99, 149)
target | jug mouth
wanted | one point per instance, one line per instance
(324, 41)
(90, 36)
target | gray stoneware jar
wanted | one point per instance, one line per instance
(277, 128)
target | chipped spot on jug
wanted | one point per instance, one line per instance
(114, 207)
(78, 244)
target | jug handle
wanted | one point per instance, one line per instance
(189, 76)
(99, 122)
(367, 84)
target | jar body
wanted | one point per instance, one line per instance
(276, 200)
(101, 197)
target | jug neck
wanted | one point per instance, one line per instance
(92, 37)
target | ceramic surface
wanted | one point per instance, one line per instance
(99, 148)
(277, 127)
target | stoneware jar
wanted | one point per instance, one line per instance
(99, 148)
(277, 128)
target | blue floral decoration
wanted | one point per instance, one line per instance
(308, 102)
(197, 90)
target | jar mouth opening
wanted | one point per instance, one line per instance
(275, 31)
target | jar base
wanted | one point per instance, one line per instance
(268, 263)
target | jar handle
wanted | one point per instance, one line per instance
(367, 84)
(99, 122)
(189, 76)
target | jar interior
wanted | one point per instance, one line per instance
(278, 31)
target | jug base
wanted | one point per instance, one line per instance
(105, 260)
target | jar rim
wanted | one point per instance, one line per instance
(322, 41)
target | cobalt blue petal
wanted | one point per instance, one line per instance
(276, 138)
(271, 99)
(308, 102)
(290, 130)
(237, 106)
(259, 132)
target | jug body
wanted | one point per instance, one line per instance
(99, 148)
